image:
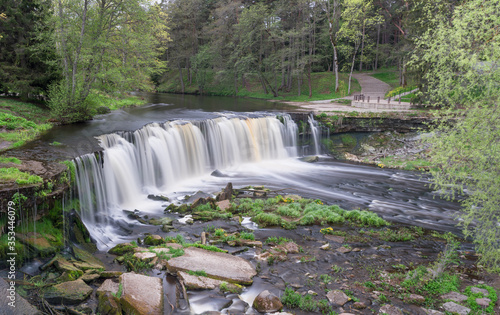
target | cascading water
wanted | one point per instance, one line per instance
(155, 158)
(315, 133)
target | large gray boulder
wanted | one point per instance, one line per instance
(141, 295)
(217, 265)
(12, 303)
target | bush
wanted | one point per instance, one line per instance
(267, 219)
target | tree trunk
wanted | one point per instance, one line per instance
(181, 78)
(235, 82)
(356, 46)
(376, 49)
(362, 47)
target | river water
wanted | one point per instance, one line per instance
(243, 140)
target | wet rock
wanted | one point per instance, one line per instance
(334, 238)
(390, 310)
(21, 305)
(223, 205)
(238, 307)
(218, 173)
(145, 256)
(108, 304)
(220, 266)
(337, 297)
(72, 292)
(343, 250)
(455, 308)
(158, 197)
(154, 240)
(161, 221)
(91, 261)
(415, 298)
(141, 294)
(108, 286)
(167, 228)
(290, 247)
(267, 302)
(454, 296)
(38, 243)
(65, 266)
(110, 274)
(90, 276)
(483, 302)
(309, 159)
(326, 246)
(432, 312)
(192, 282)
(188, 219)
(121, 249)
(359, 305)
(226, 194)
(484, 292)
(311, 292)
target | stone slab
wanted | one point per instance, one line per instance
(455, 308)
(22, 307)
(141, 295)
(71, 292)
(217, 265)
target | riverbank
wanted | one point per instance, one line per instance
(207, 255)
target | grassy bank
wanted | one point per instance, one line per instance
(323, 87)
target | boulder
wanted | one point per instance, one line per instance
(108, 304)
(454, 296)
(390, 310)
(64, 266)
(193, 282)
(141, 295)
(309, 159)
(226, 194)
(484, 292)
(90, 276)
(337, 297)
(121, 249)
(267, 302)
(154, 240)
(455, 308)
(218, 173)
(144, 256)
(161, 221)
(108, 286)
(38, 243)
(72, 292)
(483, 302)
(158, 197)
(9, 295)
(217, 265)
(223, 205)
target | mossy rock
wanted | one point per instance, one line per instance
(69, 293)
(38, 243)
(90, 262)
(70, 271)
(161, 221)
(121, 249)
(109, 304)
(154, 240)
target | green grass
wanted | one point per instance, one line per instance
(476, 309)
(4, 160)
(399, 90)
(322, 87)
(388, 75)
(413, 165)
(292, 299)
(21, 178)
(36, 113)
(198, 273)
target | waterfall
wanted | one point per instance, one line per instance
(159, 155)
(315, 132)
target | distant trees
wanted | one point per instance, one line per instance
(27, 60)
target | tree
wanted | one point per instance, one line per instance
(460, 60)
(105, 44)
(333, 11)
(27, 53)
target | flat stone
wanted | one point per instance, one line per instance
(192, 282)
(431, 312)
(415, 298)
(90, 276)
(326, 246)
(267, 302)
(359, 305)
(18, 306)
(141, 294)
(290, 247)
(153, 240)
(86, 266)
(88, 258)
(121, 249)
(144, 255)
(223, 205)
(250, 243)
(110, 274)
(72, 292)
(335, 238)
(337, 297)
(217, 265)
(483, 302)
(453, 307)
(343, 250)
(108, 304)
(38, 242)
(454, 296)
(390, 310)
(479, 290)
(108, 286)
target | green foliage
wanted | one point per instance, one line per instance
(293, 210)
(4, 159)
(20, 129)
(348, 140)
(267, 219)
(277, 240)
(292, 299)
(471, 300)
(206, 247)
(21, 178)
(399, 90)
(247, 235)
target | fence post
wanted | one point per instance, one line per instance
(378, 99)
(368, 99)
(389, 100)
